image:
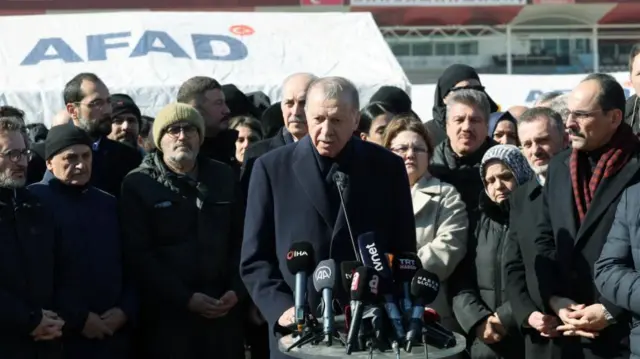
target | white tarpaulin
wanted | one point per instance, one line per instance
(149, 54)
(510, 90)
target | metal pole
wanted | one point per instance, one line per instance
(594, 48)
(509, 59)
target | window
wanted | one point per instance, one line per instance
(401, 49)
(468, 48)
(563, 45)
(422, 49)
(445, 49)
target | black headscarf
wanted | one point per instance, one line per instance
(449, 78)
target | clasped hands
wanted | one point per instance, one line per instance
(491, 330)
(579, 319)
(212, 308)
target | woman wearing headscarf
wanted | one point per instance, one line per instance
(479, 301)
(503, 128)
(454, 78)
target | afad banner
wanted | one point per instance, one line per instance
(512, 90)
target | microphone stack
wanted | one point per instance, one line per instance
(387, 308)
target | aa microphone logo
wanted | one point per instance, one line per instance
(322, 273)
(293, 254)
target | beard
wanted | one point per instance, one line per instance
(96, 128)
(539, 170)
(6, 181)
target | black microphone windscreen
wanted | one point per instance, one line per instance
(325, 275)
(339, 177)
(364, 285)
(425, 285)
(346, 273)
(373, 255)
(300, 258)
(405, 266)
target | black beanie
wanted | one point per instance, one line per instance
(63, 136)
(122, 104)
(394, 99)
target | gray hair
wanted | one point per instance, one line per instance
(337, 87)
(561, 106)
(309, 75)
(536, 113)
(548, 97)
(473, 98)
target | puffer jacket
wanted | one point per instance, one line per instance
(482, 290)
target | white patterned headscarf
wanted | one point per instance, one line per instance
(511, 157)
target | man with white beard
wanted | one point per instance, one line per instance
(182, 216)
(541, 133)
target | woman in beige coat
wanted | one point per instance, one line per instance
(440, 214)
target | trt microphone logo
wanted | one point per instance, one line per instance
(355, 281)
(323, 272)
(373, 284)
(408, 264)
(293, 254)
(375, 257)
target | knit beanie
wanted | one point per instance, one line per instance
(174, 113)
(511, 157)
(122, 104)
(63, 136)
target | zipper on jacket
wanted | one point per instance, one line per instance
(498, 269)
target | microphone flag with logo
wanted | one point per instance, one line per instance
(405, 266)
(324, 280)
(301, 263)
(364, 289)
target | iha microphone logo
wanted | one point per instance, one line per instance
(293, 254)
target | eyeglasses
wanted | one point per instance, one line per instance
(16, 155)
(97, 103)
(581, 115)
(187, 130)
(403, 150)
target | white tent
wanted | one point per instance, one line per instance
(149, 54)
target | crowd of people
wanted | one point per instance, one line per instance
(128, 236)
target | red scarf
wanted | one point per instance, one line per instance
(616, 154)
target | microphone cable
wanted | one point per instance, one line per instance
(338, 178)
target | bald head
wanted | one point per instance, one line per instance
(517, 111)
(294, 93)
(61, 118)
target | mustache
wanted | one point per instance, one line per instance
(574, 132)
(298, 119)
(184, 145)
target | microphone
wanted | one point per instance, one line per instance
(300, 262)
(324, 280)
(364, 288)
(434, 333)
(405, 266)
(347, 269)
(373, 257)
(341, 180)
(424, 287)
